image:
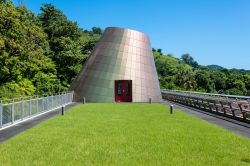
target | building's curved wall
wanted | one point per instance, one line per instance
(121, 54)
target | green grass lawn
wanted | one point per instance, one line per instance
(125, 134)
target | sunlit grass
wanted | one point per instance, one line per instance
(125, 134)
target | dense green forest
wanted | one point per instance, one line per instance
(42, 54)
(186, 74)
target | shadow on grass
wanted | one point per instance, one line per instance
(246, 160)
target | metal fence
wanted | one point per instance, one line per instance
(208, 94)
(15, 110)
(236, 107)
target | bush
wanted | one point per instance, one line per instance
(24, 87)
(234, 91)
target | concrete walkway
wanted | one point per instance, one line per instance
(10, 132)
(221, 121)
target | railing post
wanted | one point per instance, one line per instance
(36, 104)
(1, 113)
(22, 108)
(47, 105)
(68, 97)
(52, 101)
(65, 98)
(62, 99)
(13, 110)
(56, 103)
(59, 100)
(42, 103)
(30, 107)
(83, 100)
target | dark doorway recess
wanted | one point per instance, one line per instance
(123, 90)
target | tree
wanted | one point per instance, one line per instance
(204, 81)
(65, 41)
(88, 43)
(56, 24)
(47, 84)
(184, 78)
(68, 57)
(173, 74)
(219, 79)
(234, 91)
(23, 87)
(160, 51)
(23, 46)
(237, 86)
(246, 79)
(97, 30)
(186, 58)
(3, 1)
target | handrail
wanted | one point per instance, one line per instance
(210, 94)
(232, 106)
(32, 97)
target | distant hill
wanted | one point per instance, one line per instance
(241, 71)
(215, 67)
(233, 70)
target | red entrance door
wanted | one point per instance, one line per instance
(123, 90)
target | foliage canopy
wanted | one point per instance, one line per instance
(40, 54)
(187, 74)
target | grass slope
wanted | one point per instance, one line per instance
(125, 134)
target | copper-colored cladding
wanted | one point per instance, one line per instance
(121, 54)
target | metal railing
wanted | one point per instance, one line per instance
(209, 94)
(16, 110)
(236, 107)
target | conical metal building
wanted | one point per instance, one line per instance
(121, 68)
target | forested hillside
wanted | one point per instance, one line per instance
(187, 74)
(42, 54)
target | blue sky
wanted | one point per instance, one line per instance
(212, 31)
